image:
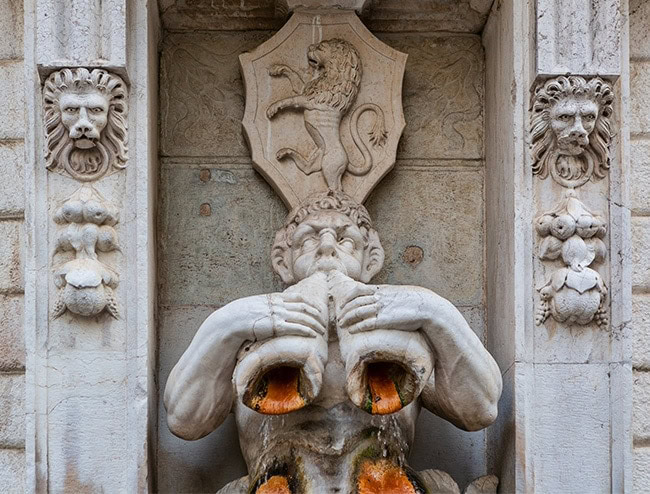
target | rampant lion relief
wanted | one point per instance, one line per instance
(570, 129)
(336, 70)
(85, 122)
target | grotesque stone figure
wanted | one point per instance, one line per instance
(85, 122)
(326, 379)
(571, 129)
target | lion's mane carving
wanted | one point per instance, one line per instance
(589, 140)
(338, 83)
(105, 143)
(336, 72)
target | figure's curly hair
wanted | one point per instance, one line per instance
(338, 85)
(82, 80)
(547, 95)
(325, 201)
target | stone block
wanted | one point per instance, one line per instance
(640, 259)
(216, 235)
(571, 420)
(11, 256)
(439, 216)
(578, 37)
(12, 109)
(11, 29)
(640, 175)
(12, 190)
(464, 16)
(641, 331)
(12, 411)
(12, 470)
(202, 93)
(641, 406)
(12, 336)
(639, 35)
(74, 32)
(641, 473)
(639, 112)
(442, 96)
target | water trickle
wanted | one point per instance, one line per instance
(390, 438)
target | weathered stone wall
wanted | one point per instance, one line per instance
(12, 348)
(217, 218)
(640, 202)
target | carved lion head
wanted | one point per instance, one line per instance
(571, 129)
(338, 66)
(85, 122)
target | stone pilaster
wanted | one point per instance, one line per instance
(90, 267)
(558, 234)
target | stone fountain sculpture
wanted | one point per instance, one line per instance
(327, 378)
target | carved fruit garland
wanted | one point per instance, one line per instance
(575, 293)
(86, 284)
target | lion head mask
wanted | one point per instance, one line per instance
(571, 129)
(85, 122)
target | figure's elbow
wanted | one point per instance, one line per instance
(483, 410)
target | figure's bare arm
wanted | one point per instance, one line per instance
(466, 383)
(199, 394)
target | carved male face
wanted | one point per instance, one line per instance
(573, 119)
(85, 115)
(326, 241)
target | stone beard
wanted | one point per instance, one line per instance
(85, 122)
(329, 375)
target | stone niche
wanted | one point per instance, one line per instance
(217, 216)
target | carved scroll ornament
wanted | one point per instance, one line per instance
(86, 284)
(570, 129)
(575, 293)
(85, 122)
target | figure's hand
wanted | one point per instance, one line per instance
(370, 307)
(278, 314)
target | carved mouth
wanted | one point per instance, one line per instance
(84, 143)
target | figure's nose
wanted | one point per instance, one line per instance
(327, 246)
(83, 124)
(578, 130)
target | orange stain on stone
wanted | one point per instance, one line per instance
(277, 484)
(383, 477)
(383, 391)
(282, 392)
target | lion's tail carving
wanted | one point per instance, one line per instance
(377, 135)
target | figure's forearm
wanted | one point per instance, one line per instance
(467, 380)
(198, 395)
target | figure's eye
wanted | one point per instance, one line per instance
(71, 109)
(565, 117)
(97, 109)
(590, 117)
(347, 243)
(309, 242)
